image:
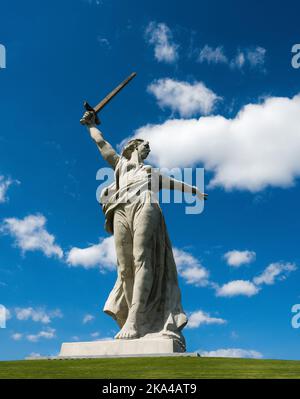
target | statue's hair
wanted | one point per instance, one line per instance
(130, 146)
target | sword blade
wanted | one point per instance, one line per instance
(107, 99)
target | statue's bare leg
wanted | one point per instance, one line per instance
(124, 250)
(143, 273)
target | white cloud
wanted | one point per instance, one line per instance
(234, 335)
(237, 258)
(190, 268)
(95, 334)
(198, 318)
(275, 271)
(102, 255)
(94, 2)
(185, 98)
(232, 352)
(17, 336)
(48, 333)
(34, 355)
(104, 42)
(160, 36)
(37, 315)
(238, 61)
(5, 183)
(248, 152)
(253, 57)
(195, 275)
(30, 234)
(237, 287)
(256, 57)
(212, 55)
(87, 318)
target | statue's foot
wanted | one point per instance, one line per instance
(128, 331)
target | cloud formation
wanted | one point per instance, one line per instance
(199, 318)
(237, 287)
(33, 355)
(38, 314)
(30, 234)
(258, 148)
(232, 352)
(253, 57)
(102, 255)
(17, 336)
(160, 36)
(190, 268)
(237, 258)
(275, 271)
(187, 99)
(212, 55)
(87, 318)
(48, 333)
(104, 42)
(5, 183)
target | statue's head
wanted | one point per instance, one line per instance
(140, 145)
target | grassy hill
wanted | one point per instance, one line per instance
(162, 367)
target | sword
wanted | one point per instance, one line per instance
(105, 100)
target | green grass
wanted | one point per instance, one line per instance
(163, 367)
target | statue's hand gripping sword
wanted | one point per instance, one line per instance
(105, 100)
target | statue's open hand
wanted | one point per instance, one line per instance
(88, 118)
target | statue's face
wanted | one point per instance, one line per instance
(144, 149)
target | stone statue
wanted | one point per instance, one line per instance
(146, 299)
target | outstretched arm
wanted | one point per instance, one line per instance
(173, 184)
(106, 150)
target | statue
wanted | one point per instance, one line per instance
(146, 299)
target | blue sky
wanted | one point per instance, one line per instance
(215, 77)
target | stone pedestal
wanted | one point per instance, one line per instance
(120, 347)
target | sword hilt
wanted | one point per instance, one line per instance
(90, 109)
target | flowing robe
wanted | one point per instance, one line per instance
(133, 215)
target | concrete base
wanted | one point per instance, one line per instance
(120, 347)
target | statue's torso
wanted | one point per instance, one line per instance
(133, 182)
